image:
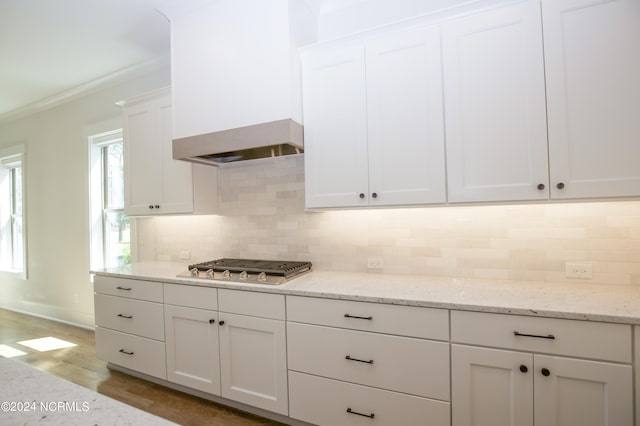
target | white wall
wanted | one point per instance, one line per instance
(56, 178)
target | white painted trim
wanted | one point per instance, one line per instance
(75, 324)
(103, 82)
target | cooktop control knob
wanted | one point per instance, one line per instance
(262, 277)
(209, 274)
(193, 272)
(226, 275)
(244, 276)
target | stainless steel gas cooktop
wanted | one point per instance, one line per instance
(272, 272)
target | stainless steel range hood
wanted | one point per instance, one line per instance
(273, 139)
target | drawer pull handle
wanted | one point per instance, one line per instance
(124, 288)
(125, 316)
(125, 352)
(357, 317)
(348, 357)
(350, 411)
(537, 336)
(545, 372)
(212, 321)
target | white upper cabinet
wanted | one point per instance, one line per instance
(234, 63)
(155, 183)
(335, 131)
(494, 97)
(405, 118)
(592, 60)
(373, 121)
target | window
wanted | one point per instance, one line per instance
(110, 228)
(12, 227)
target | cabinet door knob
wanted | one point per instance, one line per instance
(212, 321)
(523, 368)
(157, 206)
(540, 186)
(361, 195)
(560, 185)
(151, 206)
(221, 322)
(545, 372)
(374, 195)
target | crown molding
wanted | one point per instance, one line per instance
(120, 76)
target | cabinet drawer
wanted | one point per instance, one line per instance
(132, 316)
(585, 339)
(325, 402)
(414, 366)
(264, 305)
(191, 296)
(133, 289)
(136, 353)
(392, 319)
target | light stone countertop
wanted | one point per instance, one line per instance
(579, 300)
(32, 397)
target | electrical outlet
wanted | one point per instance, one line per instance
(185, 255)
(582, 271)
(375, 263)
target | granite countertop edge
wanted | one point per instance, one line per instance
(577, 301)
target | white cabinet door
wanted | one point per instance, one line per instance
(253, 361)
(572, 392)
(155, 183)
(192, 348)
(491, 387)
(494, 97)
(592, 61)
(335, 130)
(405, 118)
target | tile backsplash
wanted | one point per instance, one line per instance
(262, 216)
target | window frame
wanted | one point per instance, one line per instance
(13, 159)
(98, 138)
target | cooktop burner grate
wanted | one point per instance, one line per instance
(270, 267)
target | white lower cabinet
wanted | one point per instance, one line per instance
(338, 362)
(193, 358)
(129, 327)
(340, 374)
(488, 387)
(323, 401)
(506, 387)
(228, 343)
(132, 352)
(580, 392)
(253, 361)
(413, 366)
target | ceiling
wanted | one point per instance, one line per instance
(51, 48)
(48, 47)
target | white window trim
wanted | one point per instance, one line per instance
(96, 136)
(13, 154)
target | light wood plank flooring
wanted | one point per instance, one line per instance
(79, 364)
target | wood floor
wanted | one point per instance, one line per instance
(79, 365)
